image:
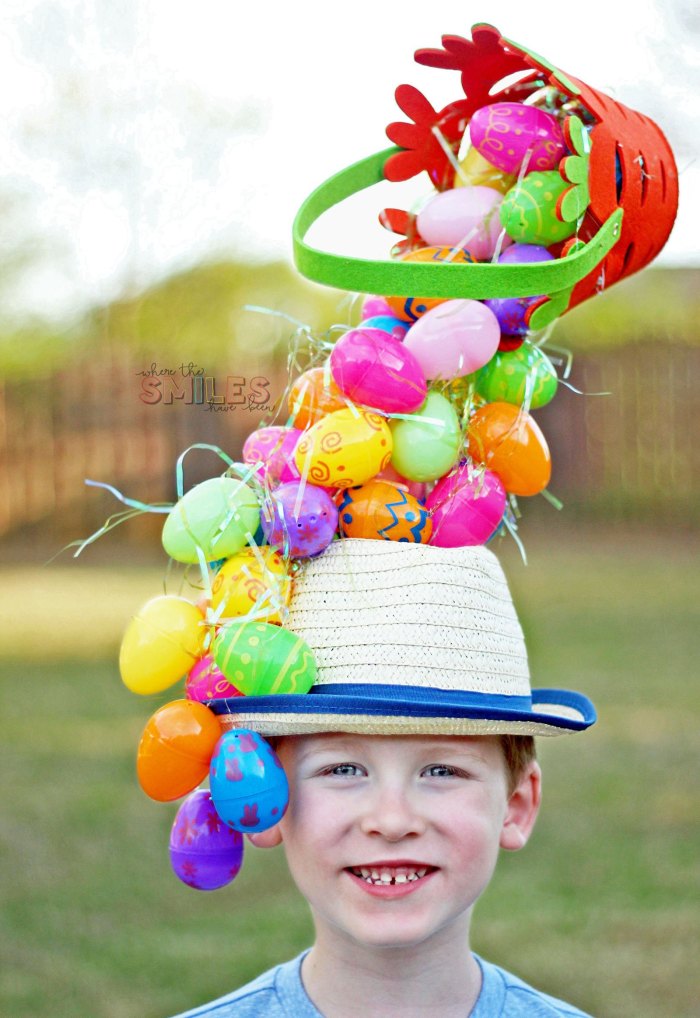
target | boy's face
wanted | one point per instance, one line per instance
(392, 839)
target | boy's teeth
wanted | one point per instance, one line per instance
(390, 875)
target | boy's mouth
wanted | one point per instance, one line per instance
(385, 876)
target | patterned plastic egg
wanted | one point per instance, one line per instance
(528, 212)
(161, 644)
(300, 519)
(464, 216)
(507, 440)
(249, 788)
(204, 852)
(313, 395)
(426, 444)
(215, 517)
(409, 309)
(512, 375)
(206, 682)
(273, 448)
(475, 171)
(375, 369)
(260, 658)
(506, 134)
(346, 448)
(382, 511)
(175, 749)
(254, 578)
(466, 507)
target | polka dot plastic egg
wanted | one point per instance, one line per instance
(260, 658)
(346, 448)
(529, 210)
(205, 853)
(248, 785)
(385, 512)
(507, 134)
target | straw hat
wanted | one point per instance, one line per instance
(409, 639)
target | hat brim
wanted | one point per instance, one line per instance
(407, 710)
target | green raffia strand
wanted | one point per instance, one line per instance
(179, 469)
(480, 280)
(160, 507)
(552, 499)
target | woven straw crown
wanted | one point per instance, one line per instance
(409, 639)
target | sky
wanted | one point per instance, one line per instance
(141, 137)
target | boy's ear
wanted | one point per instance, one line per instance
(266, 839)
(521, 811)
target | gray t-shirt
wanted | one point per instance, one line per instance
(280, 993)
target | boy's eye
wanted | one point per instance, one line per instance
(344, 770)
(441, 771)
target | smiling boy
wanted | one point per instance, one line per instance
(410, 765)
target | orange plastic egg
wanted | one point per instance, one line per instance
(508, 441)
(175, 749)
(381, 511)
(313, 395)
(410, 309)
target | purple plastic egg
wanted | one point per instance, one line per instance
(466, 506)
(511, 311)
(248, 785)
(507, 134)
(372, 368)
(300, 519)
(204, 852)
(465, 217)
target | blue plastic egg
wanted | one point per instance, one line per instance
(386, 323)
(248, 785)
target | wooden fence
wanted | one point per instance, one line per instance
(634, 451)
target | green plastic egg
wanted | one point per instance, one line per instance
(260, 658)
(426, 444)
(511, 374)
(528, 212)
(216, 516)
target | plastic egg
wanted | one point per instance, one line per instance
(175, 749)
(215, 517)
(464, 217)
(248, 785)
(312, 396)
(371, 367)
(346, 448)
(260, 658)
(372, 306)
(513, 375)
(300, 519)
(475, 171)
(415, 488)
(274, 448)
(387, 323)
(382, 511)
(426, 444)
(510, 134)
(454, 339)
(410, 309)
(508, 441)
(205, 853)
(529, 210)
(253, 578)
(161, 644)
(511, 312)
(466, 507)
(206, 682)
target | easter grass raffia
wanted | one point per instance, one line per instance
(94, 923)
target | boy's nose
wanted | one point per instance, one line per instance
(390, 814)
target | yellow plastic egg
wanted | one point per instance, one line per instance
(161, 644)
(253, 578)
(346, 448)
(475, 171)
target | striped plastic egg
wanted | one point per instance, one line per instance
(383, 511)
(260, 658)
(249, 788)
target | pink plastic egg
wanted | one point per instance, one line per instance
(466, 507)
(206, 682)
(372, 305)
(454, 338)
(373, 368)
(274, 448)
(507, 134)
(464, 217)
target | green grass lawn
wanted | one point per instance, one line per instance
(601, 908)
